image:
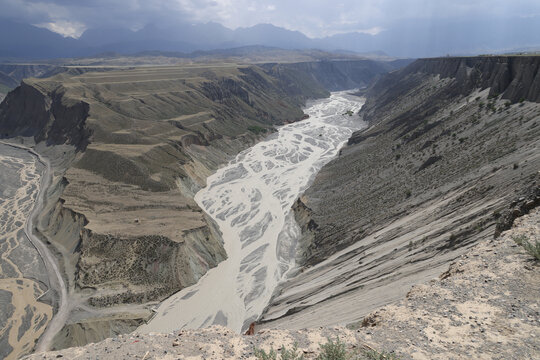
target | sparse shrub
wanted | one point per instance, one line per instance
(515, 166)
(408, 193)
(284, 354)
(257, 129)
(333, 350)
(375, 355)
(532, 248)
(262, 355)
(507, 104)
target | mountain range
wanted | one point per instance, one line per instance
(406, 39)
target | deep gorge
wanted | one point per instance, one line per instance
(129, 150)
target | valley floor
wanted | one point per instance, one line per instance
(485, 306)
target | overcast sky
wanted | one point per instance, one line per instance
(315, 18)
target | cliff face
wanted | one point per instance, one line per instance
(440, 166)
(513, 78)
(29, 111)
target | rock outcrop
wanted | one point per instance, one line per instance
(45, 115)
(515, 78)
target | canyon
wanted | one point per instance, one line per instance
(129, 147)
(449, 159)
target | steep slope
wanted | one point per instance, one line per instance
(452, 143)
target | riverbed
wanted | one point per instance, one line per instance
(23, 277)
(251, 200)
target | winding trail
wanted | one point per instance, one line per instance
(56, 280)
(251, 200)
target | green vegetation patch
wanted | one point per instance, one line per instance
(256, 129)
(533, 248)
(332, 350)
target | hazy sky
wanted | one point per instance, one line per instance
(315, 18)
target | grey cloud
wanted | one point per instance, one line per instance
(315, 18)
